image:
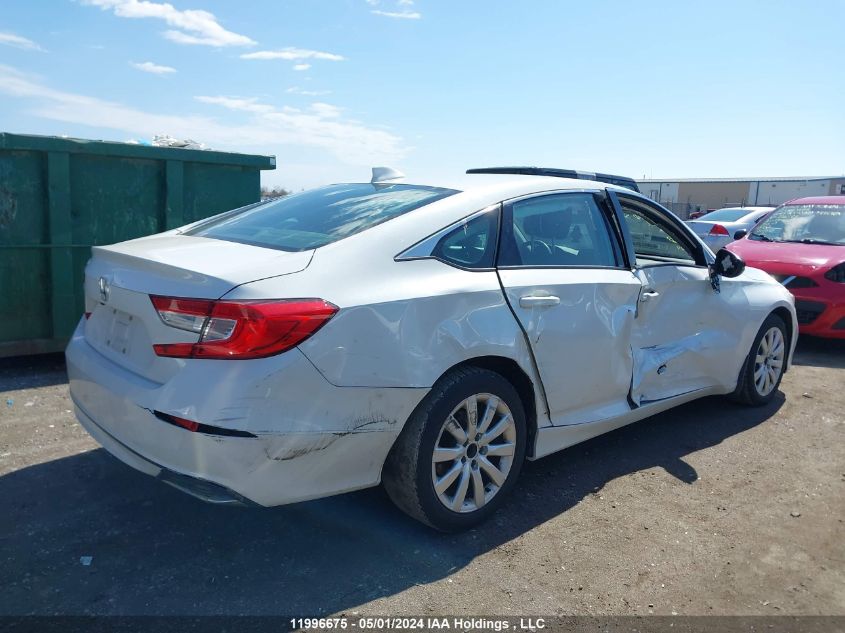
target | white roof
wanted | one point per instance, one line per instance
(476, 192)
(504, 186)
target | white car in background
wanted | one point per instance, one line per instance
(427, 337)
(718, 228)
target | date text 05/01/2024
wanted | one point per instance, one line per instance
(418, 624)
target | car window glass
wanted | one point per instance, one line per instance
(558, 230)
(653, 243)
(726, 215)
(318, 217)
(472, 244)
(803, 223)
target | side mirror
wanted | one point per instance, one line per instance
(727, 264)
(740, 234)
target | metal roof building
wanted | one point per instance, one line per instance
(684, 195)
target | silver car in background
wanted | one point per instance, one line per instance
(718, 228)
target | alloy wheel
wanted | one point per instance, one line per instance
(768, 362)
(473, 453)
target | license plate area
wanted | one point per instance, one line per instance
(118, 335)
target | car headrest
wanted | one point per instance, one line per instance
(553, 225)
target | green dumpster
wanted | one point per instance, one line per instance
(60, 196)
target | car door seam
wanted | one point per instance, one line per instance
(534, 364)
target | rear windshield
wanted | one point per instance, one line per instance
(726, 215)
(318, 217)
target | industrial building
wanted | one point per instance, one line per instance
(684, 195)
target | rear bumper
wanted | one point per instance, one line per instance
(312, 439)
(200, 488)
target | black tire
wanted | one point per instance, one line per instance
(407, 474)
(747, 391)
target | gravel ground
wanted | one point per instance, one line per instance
(711, 508)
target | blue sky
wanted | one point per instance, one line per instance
(331, 87)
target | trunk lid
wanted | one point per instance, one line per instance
(119, 279)
(188, 266)
(703, 227)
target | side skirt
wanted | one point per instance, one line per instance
(551, 439)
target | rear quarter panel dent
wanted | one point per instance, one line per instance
(411, 343)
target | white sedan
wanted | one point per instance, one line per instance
(430, 338)
(719, 228)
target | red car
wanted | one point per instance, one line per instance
(694, 215)
(802, 245)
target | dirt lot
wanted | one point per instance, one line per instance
(708, 509)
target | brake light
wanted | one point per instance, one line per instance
(183, 422)
(240, 329)
(718, 229)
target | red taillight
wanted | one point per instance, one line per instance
(240, 329)
(185, 424)
(718, 229)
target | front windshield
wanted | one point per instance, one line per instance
(810, 223)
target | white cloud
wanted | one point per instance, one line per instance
(191, 26)
(301, 66)
(401, 15)
(296, 90)
(294, 54)
(18, 41)
(320, 125)
(405, 3)
(262, 127)
(156, 69)
(237, 103)
(325, 110)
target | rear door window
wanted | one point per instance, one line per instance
(566, 229)
(318, 217)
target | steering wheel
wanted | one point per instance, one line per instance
(538, 246)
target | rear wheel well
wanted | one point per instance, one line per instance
(510, 370)
(784, 314)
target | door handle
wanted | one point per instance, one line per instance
(538, 301)
(649, 294)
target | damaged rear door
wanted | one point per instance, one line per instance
(563, 271)
(683, 338)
